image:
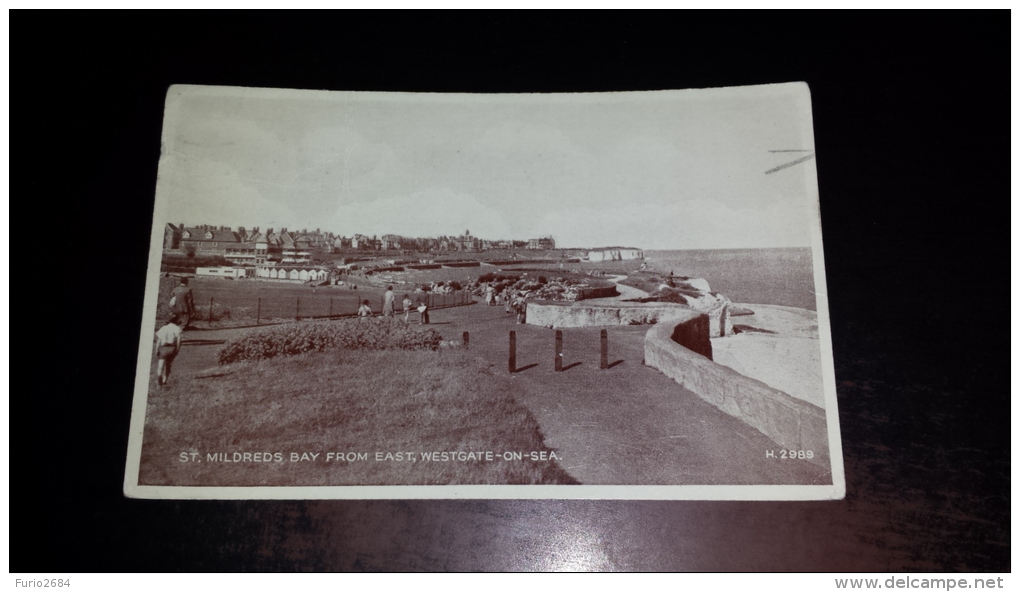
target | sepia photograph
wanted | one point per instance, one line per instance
(782, 226)
(423, 295)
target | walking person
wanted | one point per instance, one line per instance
(389, 302)
(521, 307)
(423, 308)
(407, 308)
(168, 345)
(489, 292)
(182, 303)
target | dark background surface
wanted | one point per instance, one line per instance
(912, 137)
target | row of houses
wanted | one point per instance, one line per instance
(257, 247)
(463, 243)
(296, 274)
(244, 247)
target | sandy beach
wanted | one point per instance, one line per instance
(778, 346)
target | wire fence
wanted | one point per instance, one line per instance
(221, 305)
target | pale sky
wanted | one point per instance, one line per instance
(655, 170)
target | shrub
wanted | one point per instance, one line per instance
(371, 334)
(677, 294)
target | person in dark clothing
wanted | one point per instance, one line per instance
(182, 303)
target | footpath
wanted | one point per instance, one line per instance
(628, 424)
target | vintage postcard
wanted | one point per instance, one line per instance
(403, 295)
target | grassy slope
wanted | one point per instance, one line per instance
(343, 402)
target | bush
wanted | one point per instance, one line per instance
(190, 260)
(677, 294)
(496, 277)
(371, 334)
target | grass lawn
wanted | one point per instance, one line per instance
(294, 416)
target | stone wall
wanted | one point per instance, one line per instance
(548, 313)
(791, 423)
(578, 314)
(693, 334)
(597, 292)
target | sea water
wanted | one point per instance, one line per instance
(755, 276)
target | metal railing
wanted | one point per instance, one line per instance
(242, 310)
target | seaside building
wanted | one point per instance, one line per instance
(362, 243)
(225, 272)
(201, 239)
(546, 242)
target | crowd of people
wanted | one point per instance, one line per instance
(389, 307)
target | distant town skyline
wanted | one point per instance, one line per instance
(660, 170)
(296, 230)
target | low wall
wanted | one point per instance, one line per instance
(692, 334)
(597, 292)
(791, 423)
(579, 314)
